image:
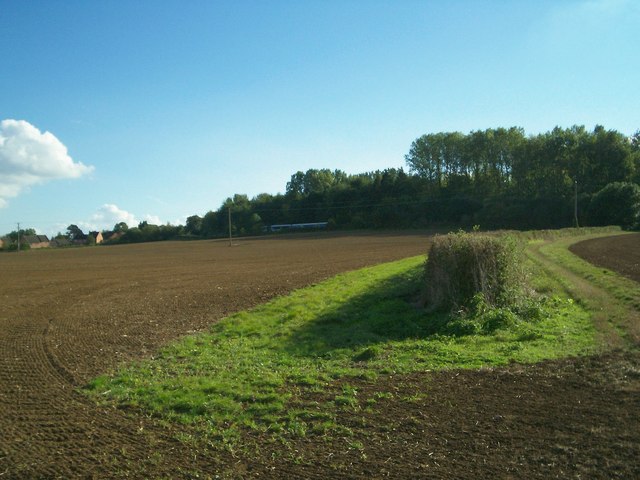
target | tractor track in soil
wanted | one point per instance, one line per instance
(69, 315)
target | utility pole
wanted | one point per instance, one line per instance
(18, 237)
(229, 225)
(575, 203)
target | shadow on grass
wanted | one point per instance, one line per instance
(385, 312)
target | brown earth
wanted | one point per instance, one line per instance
(620, 253)
(68, 315)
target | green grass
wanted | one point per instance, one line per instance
(613, 300)
(623, 289)
(287, 367)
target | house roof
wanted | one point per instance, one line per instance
(35, 239)
(60, 242)
(111, 235)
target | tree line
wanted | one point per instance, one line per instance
(495, 178)
(11, 241)
(531, 182)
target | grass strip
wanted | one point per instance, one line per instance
(265, 369)
(613, 299)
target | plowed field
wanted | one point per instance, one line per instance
(68, 315)
(620, 253)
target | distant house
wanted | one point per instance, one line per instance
(97, 236)
(111, 236)
(36, 241)
(60, 242)
(80, 239)
(2, 242)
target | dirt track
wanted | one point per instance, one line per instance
(68, 315)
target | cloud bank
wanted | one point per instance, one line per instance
(29, 157)
(105, 218)
(109, 214)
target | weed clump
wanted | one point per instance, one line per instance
(463, 269)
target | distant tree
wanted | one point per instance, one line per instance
(210, 226)
(496, 177)
(480, 162)
(315, 181)
(318, 181)
(295, 186)
(262, 199)
(75, 233)
(635, 156)
(616, 204)
(14, 246)
(13, 236)
(193, 225)
(636, 166)
(606, 157)
(243, 219)
(424, 158)
(120, 227)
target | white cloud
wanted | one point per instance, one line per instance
(153, 219)
(104, 218)
(109, 214)
(29, 157)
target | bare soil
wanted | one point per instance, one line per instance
(620, 253)
(69, 315)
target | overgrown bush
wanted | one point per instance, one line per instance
(12, 247)
(464, 268)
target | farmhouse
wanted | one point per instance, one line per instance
(110, 236)
(60, 242)
(36, 241)
(97, 236)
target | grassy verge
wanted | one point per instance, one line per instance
(613, 300)
(262, 370)
(623, 289)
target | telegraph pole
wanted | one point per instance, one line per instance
(18, 237)
(575, 203)
(229, 210)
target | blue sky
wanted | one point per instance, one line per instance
(160, 110)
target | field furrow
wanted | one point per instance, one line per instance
(68, 315)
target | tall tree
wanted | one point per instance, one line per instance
(75, 233)
(608, 158)
(120, 227)
(193, 225)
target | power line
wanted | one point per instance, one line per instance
(351, 204)
(424, 200)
